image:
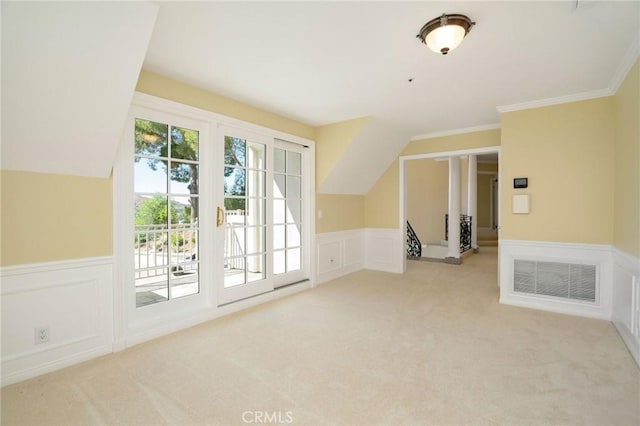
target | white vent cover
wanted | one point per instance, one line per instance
(567, 280)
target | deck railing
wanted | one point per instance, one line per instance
(153, 246)
(234, 239)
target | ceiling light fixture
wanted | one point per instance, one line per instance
(445, 33)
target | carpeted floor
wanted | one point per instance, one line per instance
(432, 346)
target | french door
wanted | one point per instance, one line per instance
(260, 215)
(162, 175)
(206, 212)
(289, 227)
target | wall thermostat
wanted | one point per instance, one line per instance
(520, 182)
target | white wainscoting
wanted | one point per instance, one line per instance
(384, 249)
(589, 254)
(74, 299)
(626, 299)
(339, 253)
(343, 252)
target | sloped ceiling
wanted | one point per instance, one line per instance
(69, 71)
(370, 153)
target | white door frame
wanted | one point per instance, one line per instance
(492, 197)
(494, 201)
(401, 255)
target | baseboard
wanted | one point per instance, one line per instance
(626, 299)
(590, 254)
(35, 370)
(631, 341)
(339, 253)
(136, 336)
(72, 299)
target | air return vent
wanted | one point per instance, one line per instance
(570, 281)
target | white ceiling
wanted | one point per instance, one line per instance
(69, 69)
(323, 62)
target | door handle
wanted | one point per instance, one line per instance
(220, 217)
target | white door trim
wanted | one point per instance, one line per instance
(401, 254)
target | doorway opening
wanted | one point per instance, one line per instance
(476, 163)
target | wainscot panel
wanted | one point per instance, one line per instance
(557, 254)
(626, 300)
(382, 246)
(55, 314)
(339, 253)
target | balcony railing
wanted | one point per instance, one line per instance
(155, 250)
(234, 239)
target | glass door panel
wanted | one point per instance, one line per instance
(287, 214)
(245, 218)
(166, 194)
(261, 230)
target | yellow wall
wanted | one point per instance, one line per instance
(427, 198)
(626, 104)
(332, 141)
(566, 151)
(49, 217)
(454, 142)
(484, 200)
(381, 208)
(163, 87)
(382, 202)
(339, 212)
(484, 193)
(488, 167)
(577, 156)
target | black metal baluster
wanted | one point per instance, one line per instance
(414, 247)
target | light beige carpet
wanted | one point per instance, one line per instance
(432, 346)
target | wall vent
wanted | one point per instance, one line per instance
(566, 280)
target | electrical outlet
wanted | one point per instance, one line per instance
(41, 334)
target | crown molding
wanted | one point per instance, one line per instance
(456, 132)
(555, 101)
(629, 59)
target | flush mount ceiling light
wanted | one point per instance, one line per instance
(445, 33)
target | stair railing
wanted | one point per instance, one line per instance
(414, 247)
(465, 231)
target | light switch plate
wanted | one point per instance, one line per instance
(520, 204)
